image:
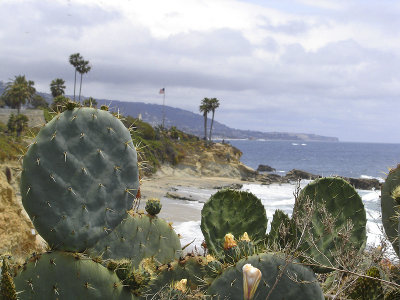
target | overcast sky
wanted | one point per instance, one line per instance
(324, 67)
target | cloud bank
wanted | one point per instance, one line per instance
(329, 69)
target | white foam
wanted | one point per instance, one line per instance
(380, 179)
(190, 231)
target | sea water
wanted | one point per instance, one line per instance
(359, 160)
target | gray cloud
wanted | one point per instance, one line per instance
(345, 88)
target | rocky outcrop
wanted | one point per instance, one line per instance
(265, 168)
(17, 234)
(299, 174)
(216, 160)
(364, 183)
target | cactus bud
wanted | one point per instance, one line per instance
(245, 237)
(251, 279)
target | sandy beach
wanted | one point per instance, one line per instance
(168, 179)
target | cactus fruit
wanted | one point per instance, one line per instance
(390, 204)
(296, 282)
(153, 206)
(246, 246)
(137, 237)
(332, 216)
(281, 229)
(235, 212)
(79, 178)
(367, 288)
(64, 275)
(7, 286)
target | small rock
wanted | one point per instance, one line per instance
(299, 174)
(265, 168)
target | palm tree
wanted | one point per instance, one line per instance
(214, 104)
(90, 102)
(205, 108)
(83, 68)
(57, 87)
(74, 60)
(18, 92)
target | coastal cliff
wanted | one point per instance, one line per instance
(212, 160)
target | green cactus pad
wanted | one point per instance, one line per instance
(64, 275)
(79, 178)
(281, 228)
(231, 211)
(337, 226)
(390, 204)
(297, 281)
(137, 237)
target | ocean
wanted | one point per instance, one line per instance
(359, 160)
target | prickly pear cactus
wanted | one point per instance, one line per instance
(191, 268)
(153, 206)
(335, 220)
(235, 212)
(281, 228)
(296, 282)
(79, 178)
(137, 237)
(64, 275)
(390, 203)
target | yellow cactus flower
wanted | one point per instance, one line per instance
(251, 279)
(245, 237)
(229, 241)
(181, 285)
(210, 258)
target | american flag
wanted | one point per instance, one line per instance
(162, 91)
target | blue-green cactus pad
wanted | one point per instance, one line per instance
(231, 211)
(337, 221)
(64, 275)
(79, 178)
(297, 282)
(390, 204)
(140, 236)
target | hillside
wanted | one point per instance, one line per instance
(192, 123)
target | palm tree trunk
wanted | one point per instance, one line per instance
(205, 126)
(74, 84)
(80, 89)
(212, 121)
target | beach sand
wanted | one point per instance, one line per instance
(167, 180)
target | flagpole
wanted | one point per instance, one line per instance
(163, 111)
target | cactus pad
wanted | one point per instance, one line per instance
(79, 178)
(281, 228)
(235, 212)
(137, 237)
(63, 275)
(335, 220)
(297, 281)
(390, 203)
